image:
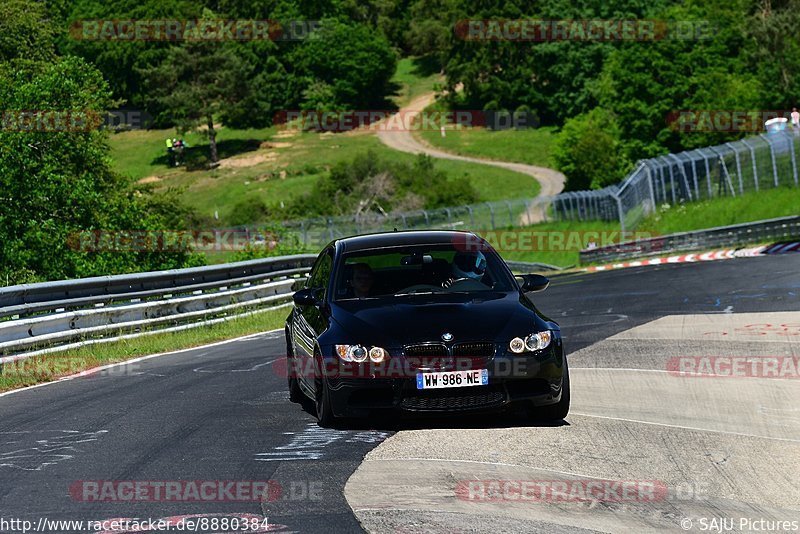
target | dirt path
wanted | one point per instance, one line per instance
(552, 181)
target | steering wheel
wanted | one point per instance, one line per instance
(448, 283)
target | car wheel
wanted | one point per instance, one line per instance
(322, 397)
(559, 410)
(295, 393)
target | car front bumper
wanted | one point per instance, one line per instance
(531, 380)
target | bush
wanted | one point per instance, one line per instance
(249, 211)
(588, 151)
(369, 183)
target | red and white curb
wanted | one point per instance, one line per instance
(714, 255)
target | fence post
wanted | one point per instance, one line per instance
(753, 159)
(621, 213)
(510, 214)
(794, 160)
(774, 162)
(671, 182)
(738, 166)
(652, 192)
(471, 217)
(491, 214)
(685, 178)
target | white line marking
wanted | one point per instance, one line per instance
(139, 359)
(684, 427)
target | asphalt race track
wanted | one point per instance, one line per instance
(713, 447)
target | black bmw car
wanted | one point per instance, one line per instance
(422, 321)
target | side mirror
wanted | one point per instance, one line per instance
(306, 297)
(533, 282)
(299, 284)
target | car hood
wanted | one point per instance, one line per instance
(403, 320)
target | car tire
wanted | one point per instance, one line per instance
(295, 393)
(559, 410)
(322, 398)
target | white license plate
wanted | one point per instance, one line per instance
(452, 379)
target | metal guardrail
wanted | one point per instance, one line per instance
(722, 236)
(50, 316)
(37, 318)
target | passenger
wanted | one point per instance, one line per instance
(362, 280)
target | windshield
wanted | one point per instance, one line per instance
(420, 270)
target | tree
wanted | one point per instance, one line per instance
(56, 182)
(25, 31)
(353, 60)
(200, 82)
(588, 151)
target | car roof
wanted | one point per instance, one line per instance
(398, 239)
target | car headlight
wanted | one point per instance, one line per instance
(359, 353)
(517, 345)
(532, 343)
(376, 354)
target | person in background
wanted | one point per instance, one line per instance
(795, 119)
(170, 152)
(177, 147)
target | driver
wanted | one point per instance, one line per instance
(467, 266)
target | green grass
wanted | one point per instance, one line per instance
(414, 78)
(288, 171)
(725, 211)
(142, 153)
(48, 367)
(532, 146)
(766, 204)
